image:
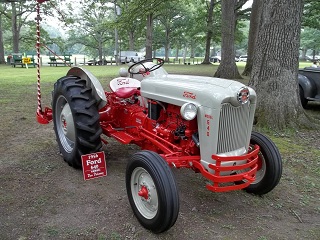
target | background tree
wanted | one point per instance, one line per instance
(209, 31)
(172, 19)
(311, 14)
(92, 27)
(228, 68)
(2, 60)
(309, 41)
(18, 14)
(149, 10)
(275, 66)
(131, 31)
(191, 31)
(256, 12)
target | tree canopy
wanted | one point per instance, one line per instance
(178, 28)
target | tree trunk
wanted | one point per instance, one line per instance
(100, 51)
(275, 66)
(185, 53)
(304, 54)
(149, 36)
(167, 46)
(2, 60)
(253, 32)
(116, 47)
(177, 54)
(192, 49)
(131, 40)
(209, 33)
(14, 28)
(228, 68)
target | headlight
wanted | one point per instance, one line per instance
(188, 111)
(243, 95)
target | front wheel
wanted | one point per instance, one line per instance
(152, 191)
(303, 100)
(269, 165)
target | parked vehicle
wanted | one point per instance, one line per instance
(309, 85)
(131, 56)
(215, 59)
(243, 58)
(179, 121)
(92, 62)
(97, 62)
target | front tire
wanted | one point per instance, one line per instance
(75, 119)
(152, 191)
(269, 165)
(303, 100)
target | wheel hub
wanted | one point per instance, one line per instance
(66, 121)
(65, 124)
(144, 193)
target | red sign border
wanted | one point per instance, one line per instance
(84, 158)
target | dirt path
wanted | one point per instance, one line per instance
(41, 197)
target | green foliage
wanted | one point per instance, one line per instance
(311, 14)
(16, 16)
(309, 38)
(92, 27)
(241, 36)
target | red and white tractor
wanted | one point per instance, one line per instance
(179, 121)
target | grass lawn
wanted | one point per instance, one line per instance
(15, 80)
(50, 74)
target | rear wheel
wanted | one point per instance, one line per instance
(269, 165)
(152, 191)
(75, 119)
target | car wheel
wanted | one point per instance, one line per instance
(75, 119)
(269, 165)
(303, 100)
(152, 191)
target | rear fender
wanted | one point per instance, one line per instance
(92, 82)
(307, 85)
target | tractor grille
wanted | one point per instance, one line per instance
(233, 127)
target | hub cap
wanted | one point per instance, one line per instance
(261, 171)
(65, 124)
(144, 193)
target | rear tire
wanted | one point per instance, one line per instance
(152, 191)
(269, 165)
(75, 119)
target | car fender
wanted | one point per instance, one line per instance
(92, 82)
(307, 85)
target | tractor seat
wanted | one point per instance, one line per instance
(126, 92)
(124, 87)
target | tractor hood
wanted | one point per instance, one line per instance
(202, 91)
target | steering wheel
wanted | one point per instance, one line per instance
(144, 70)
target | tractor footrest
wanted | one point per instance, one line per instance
(121, 136)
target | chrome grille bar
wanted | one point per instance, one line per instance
(233, 127)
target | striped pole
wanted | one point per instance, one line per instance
(39, 109)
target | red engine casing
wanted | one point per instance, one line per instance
(157, 120)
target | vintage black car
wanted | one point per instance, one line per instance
(309, 84)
